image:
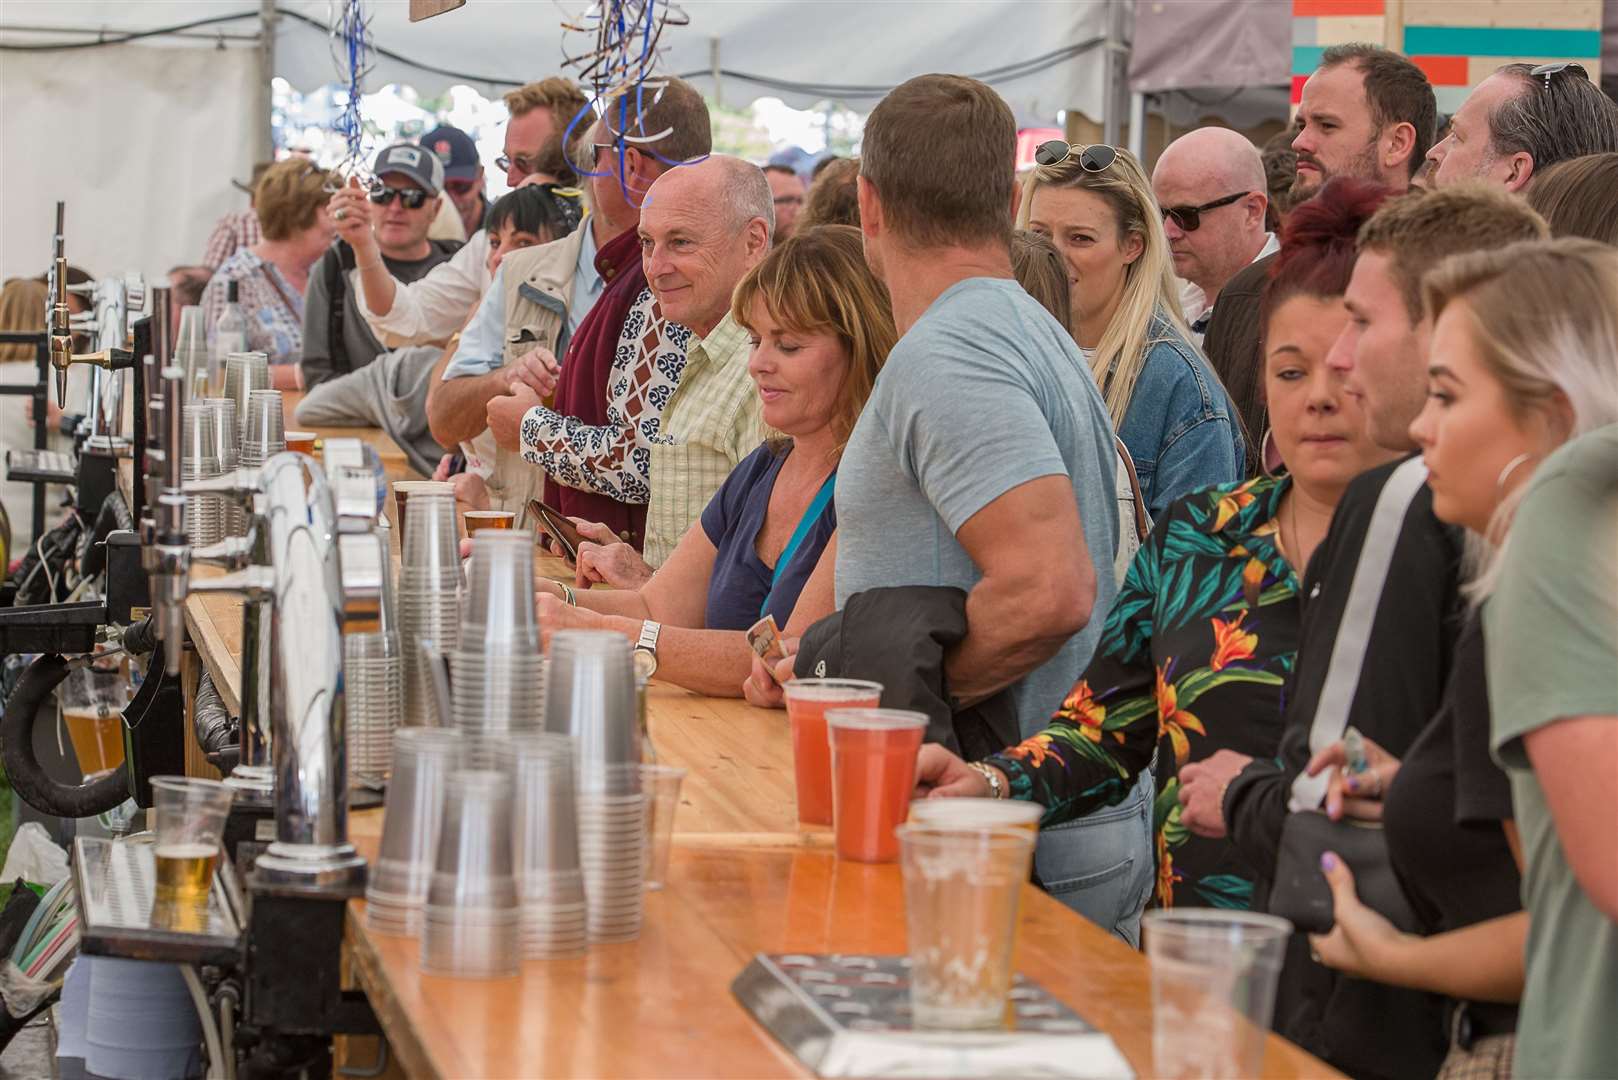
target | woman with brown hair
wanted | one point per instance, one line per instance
(272, 276)
(820, 327)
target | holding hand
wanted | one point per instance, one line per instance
(351, 213)
(613, 563)
(557, 614)
(1355, 794)
(1202, 791)
(941, 774)
(505, 413)
(763, 687)
(538, 370)
(1361, 942)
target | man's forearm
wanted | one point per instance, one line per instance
(456, 407)
(1010, 631)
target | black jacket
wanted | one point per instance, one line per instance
(1235, 350)
(1366, 1029)
(899, 637)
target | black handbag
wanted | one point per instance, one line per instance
(1299, 892)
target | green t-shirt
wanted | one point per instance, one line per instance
(1552, 633)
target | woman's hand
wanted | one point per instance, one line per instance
(1362, 943)
(763, 687)
(557, 614)
(1356, 795)
(941, 774)
(613, 562)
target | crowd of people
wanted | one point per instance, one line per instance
(1272, 480)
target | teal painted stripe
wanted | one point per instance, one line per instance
(1496, 41)
(1305, 58)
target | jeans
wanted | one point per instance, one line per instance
(1103, 865)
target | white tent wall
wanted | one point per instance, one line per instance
(140, 141)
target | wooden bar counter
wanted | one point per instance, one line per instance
(743, 879)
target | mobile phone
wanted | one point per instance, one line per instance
(556, 525)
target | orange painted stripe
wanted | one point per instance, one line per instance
(1444, 70)
(1314, 9)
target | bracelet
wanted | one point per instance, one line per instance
(997, 790)
(568, 594)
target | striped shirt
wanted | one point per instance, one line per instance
(710, 424)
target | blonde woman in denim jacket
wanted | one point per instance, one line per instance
(1167, 404)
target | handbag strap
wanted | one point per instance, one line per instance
(817, 506)
(1354, 629)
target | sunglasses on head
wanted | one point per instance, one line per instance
(1092, 159)
(412, 198)
(1546, 71)
(1189, 218)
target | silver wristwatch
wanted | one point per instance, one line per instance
(646, 648)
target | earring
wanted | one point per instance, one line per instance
(1505, 473)
(1269, 455)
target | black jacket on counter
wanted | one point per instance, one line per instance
(1366, 1029)
(899, 637)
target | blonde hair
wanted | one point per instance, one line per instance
(819, 281)
(562, 96)
(1150, 290)
(288, 197)
(1543, 315)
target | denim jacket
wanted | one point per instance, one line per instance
(1180, 425)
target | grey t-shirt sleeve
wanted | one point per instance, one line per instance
(317, 345)
(948, 409)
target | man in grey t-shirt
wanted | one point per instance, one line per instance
(984, 458)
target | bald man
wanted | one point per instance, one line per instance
(1211, 187)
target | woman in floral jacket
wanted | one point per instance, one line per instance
(1201, 638)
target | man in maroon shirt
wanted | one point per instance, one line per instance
(626, 154)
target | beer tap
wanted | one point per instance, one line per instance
(169, 561)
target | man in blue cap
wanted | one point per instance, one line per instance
(463, 173)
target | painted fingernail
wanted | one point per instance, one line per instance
(1352, 783)
(1328, 861)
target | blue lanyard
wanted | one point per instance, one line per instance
(816, 507)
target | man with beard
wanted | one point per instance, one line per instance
(1365, 112)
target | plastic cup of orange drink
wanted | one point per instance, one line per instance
(873, 767)
(807, 702)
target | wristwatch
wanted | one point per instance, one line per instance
(646, 648)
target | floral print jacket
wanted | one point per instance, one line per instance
(1193, 659)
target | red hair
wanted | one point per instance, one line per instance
(1318, 247)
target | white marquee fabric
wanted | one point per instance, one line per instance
(151, 133)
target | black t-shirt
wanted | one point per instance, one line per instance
(1364, 1028)
(336, 344)
(1443, 813)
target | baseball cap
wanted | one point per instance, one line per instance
(411, 160)
(455, 149)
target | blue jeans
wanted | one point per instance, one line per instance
(1103, 865)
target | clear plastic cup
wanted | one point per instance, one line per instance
(963, 892)
(977, 813)
(471, 916)
(873, 765)
(807, 701)
(612, 848)
(266, 419)
(661, 784)
(429, 537)
(480, 520)
(403, 490)
(499, 615)
(423, 759)
(1214, 974)
(302, 442)
(244, 373)
(189, 821)
(93, 699)
(590, 694)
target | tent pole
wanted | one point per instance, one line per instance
(714, 67)
(263, 133)
(1116, 72)
(1137, 126)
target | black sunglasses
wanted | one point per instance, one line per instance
(1092, 159)
(1189, 218)
(412, 198)
(1545, 71)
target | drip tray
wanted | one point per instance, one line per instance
(119, 915)
(847, 1015)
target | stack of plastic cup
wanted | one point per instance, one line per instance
(402, 492)
(429, 597)
(470, 922)
(227, 448)
(191, 351)
(590, 695)
(373, 703)
(396, 890)
(244, 373)
(550, 884)
(496, 669)
(264, 433)
(204, 514)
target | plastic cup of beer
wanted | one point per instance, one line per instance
(977, 813)
(93, 700)
(963, 897)
(873, 775)
(1214, 974)
(190, 817)
(807, 702)
(478, 520)
(302, 442)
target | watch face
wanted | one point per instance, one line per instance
(645, 663)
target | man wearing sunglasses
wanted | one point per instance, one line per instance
(463, 174)
(1522, 120)
(385, 227)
